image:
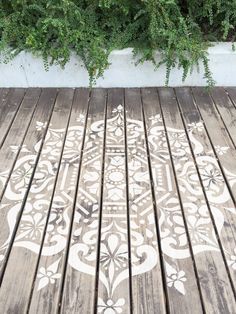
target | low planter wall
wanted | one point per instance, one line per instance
(28, 71)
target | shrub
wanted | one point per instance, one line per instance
(181, 30)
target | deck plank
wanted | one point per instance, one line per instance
(9, 104)
(118, 200)
(80, 281)
(22, 174)
(218, 195)
(224, 148)
(174, 241)
(16, 290)
(210, 265)
(113, 259)
(45, 298)
(11, 146)
(226, 109)
(141, 212)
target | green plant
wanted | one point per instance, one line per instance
(181, 30)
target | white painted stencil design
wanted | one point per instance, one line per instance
(114, 247)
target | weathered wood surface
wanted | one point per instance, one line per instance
(169, 213)
(22, 173)
(114, 251)
(79, 289)
(36, 206)
(117, 201)
(209, 265)
(11, 146)
(9, 104)
(141, 211)
(219, 200)
(224, 102)
(56, 229)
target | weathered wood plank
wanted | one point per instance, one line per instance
(180, 275)
(109, 210)
(45, 296)
(141, 213)
(4, 92)
(3, 95)
(9, 104)
(216, 190)
(79, 285)
(11, 146)
(23, 171)
(113, 259)
(226, 109)
(224, 148)
(209, 262)
(15, 290)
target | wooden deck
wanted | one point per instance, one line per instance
(118, 201)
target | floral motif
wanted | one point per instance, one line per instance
(177, 279)
(110, 307)
(221, 150)
(211, 176)
(114, 247)
(113, 255)
(40, 125)
(48, 275)
(32, 226)
(196, 126)
(21, 176)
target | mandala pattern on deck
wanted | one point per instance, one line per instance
(114, 237)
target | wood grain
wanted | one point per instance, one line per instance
(9, 105)
(218, 135)
(141, 211)
(219, 201)
(22, 173)
(118, 200)
(15, 290)
(113, 259)
(47, 300)
(210, 266)
(11, 146)
(165, 188)
(79, 287)
(226, 109)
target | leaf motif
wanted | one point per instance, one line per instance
(179, 286)
(43, 282)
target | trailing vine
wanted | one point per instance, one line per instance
(180, 30)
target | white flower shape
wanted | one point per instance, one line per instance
(156, 119)
(198, 228)
(175, 278)
(48, 275)
(221, 150)
(21, 176)
(232, 261)
(115, 125)
(113, 256)
(196, 126)
(110, 307)
(119, 109)
(211, 176)
(32, 226)
(177, 139)
(40, 125)
(80, 118)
